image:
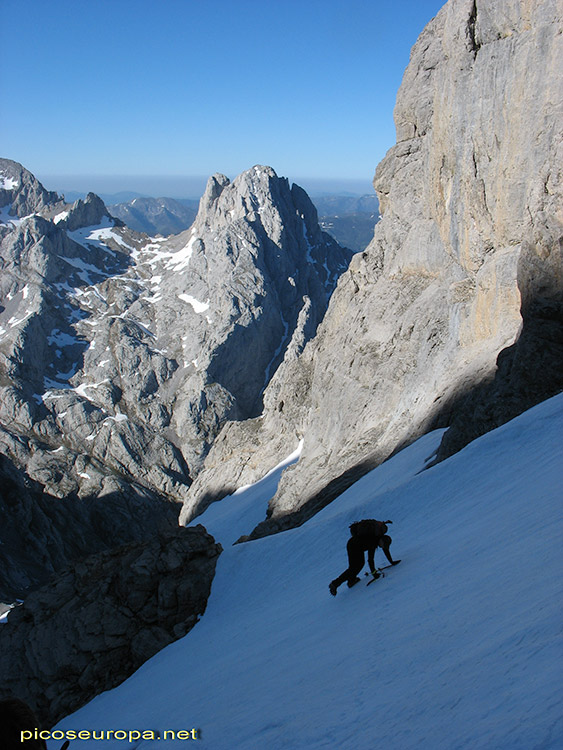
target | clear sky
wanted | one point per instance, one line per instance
(116, 91)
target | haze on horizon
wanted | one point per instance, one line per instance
(187, 186)
(154, 98)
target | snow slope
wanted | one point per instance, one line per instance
(458, 647)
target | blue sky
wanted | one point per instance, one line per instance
(108, 93)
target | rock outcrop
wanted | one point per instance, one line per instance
(21, 194)
(96, 623)
(43, 534)
(90, 212)
(465, 269)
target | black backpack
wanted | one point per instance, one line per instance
(369, 528)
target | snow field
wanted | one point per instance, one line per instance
(7, 182)
(458, 647)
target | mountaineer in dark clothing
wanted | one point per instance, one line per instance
(367, 536)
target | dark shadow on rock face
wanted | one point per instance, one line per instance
(528, 372)
(303, 262)
(98, 621)
(210, 497)
(240, 364)
(41, 534)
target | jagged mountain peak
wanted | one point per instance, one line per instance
(255, 184)
(21, 193)
(256, 188)
(277, 214)
(22, 196)
(87, 212)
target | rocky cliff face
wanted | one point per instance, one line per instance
(465, 269)
(43, 534)
(95, 624)
(121, 355)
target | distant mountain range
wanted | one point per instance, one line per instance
(164, 216)
(349, 219)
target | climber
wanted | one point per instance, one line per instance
(367, 536)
